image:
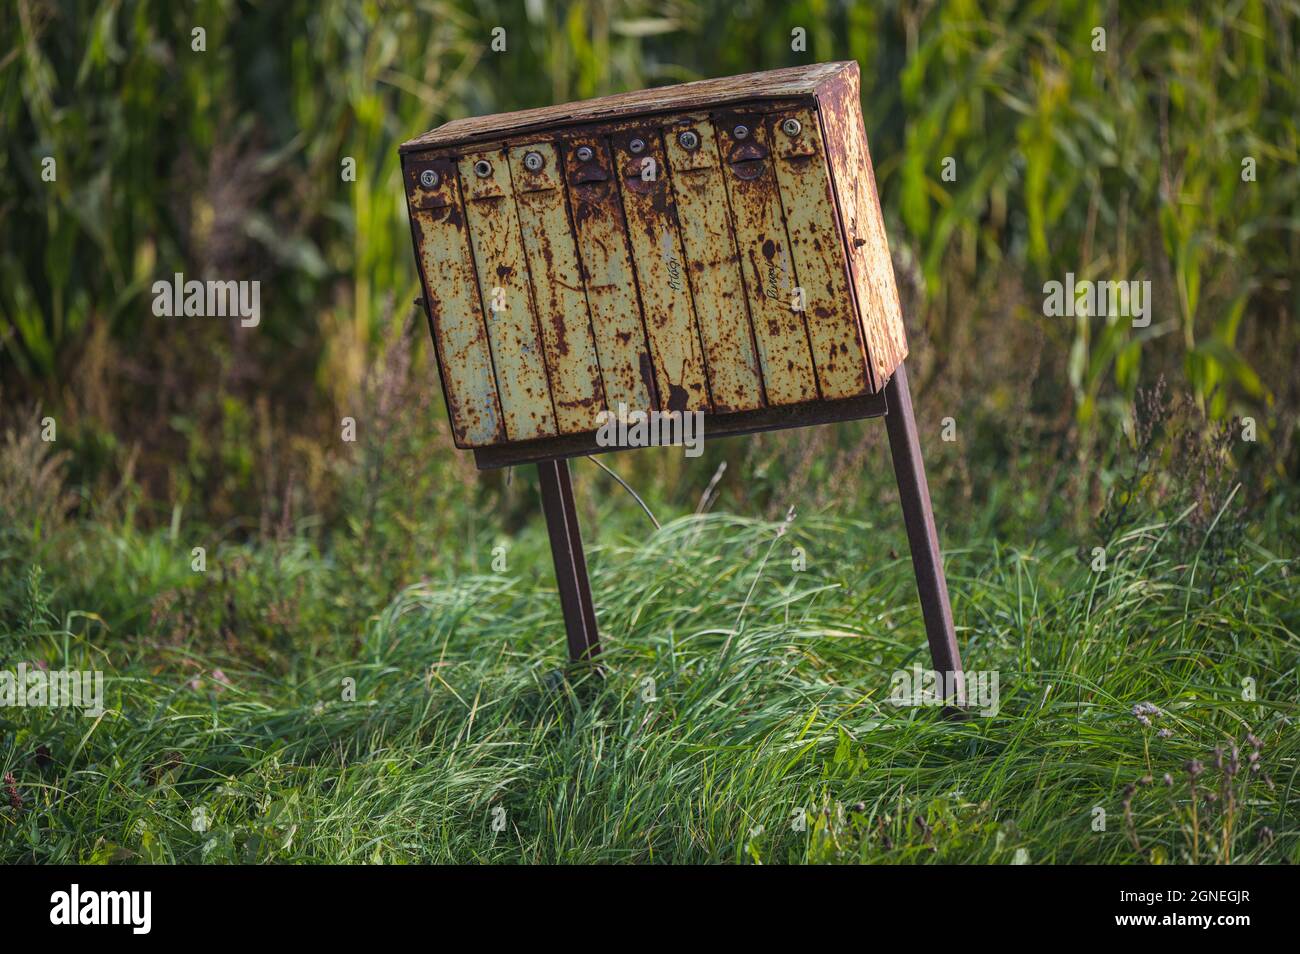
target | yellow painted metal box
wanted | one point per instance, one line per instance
(715, 246)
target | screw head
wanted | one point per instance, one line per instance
(533, 161)
(428, 178)
(741, 132)
(689, 140)
(636, 146)
(584, 154)
(792, 127)
(482, 168)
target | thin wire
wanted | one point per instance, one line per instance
(623, 484)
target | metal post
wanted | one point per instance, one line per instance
(922, 538)
(570, 563)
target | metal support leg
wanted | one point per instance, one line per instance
(922, 538)
(570, 563)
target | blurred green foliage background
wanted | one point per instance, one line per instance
(1123, 163)
(1169, 156)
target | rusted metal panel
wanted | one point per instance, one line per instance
(661, 276)
(766, 263)
(747, 272)
(522, 387)
(713, 266)
(840, 109)
(789, 82)
(716, 427)
(819, 255)
(621, 349)
(576, 389)
(447, 275)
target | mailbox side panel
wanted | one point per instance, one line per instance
(523, 389)
(552, 256)
(661, 277)
(840, 108)
(766, 263)
(621, 349)
(713, 268)
(819, 255)
(449, 283)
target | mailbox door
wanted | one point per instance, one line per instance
(766, 263)
(625, 365)
(825, 293)
(576, 389)
(661, 277)
(450, 291)
(713, 265)
(517, 359)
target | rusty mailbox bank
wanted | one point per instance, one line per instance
(715, 246)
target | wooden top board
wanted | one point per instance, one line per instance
(790, 82)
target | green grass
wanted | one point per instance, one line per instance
(737, 691)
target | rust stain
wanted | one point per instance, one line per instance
(657, 259)
(796, 81)
(607, 269)
(455, 319)
(497, 244)
(722, 312)
(872, 271)
(819, 258)
(556, 278)
(678, 398)
(756, 215)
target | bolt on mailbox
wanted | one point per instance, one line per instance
(712, 247)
